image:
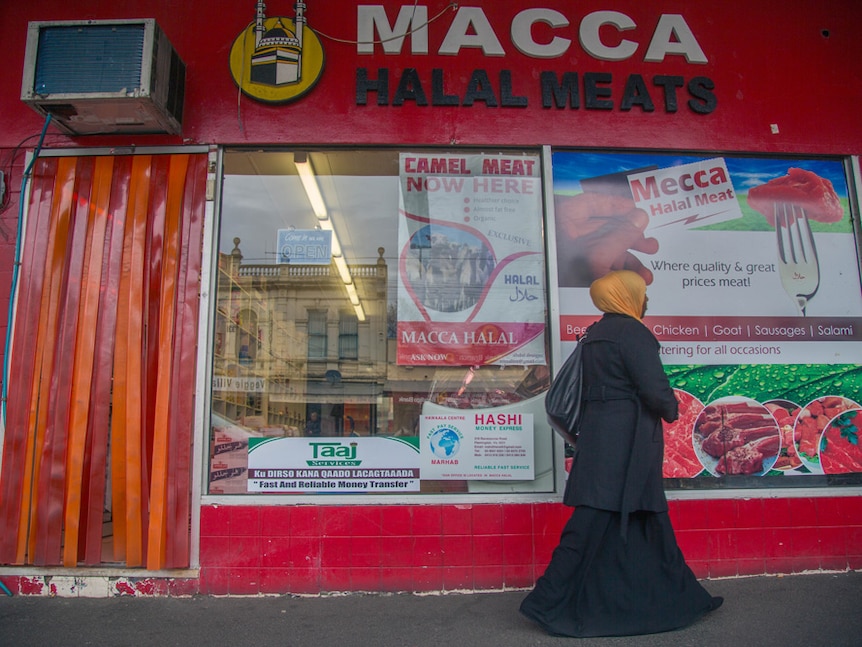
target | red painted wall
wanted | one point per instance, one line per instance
(252, 550)
(247, 550)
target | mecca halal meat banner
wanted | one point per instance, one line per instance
(754, 294)
(471, 260)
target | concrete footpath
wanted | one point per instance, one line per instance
(792, 610)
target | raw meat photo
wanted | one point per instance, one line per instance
(811, 421)
(840, 448)
(736, 436)
(807, 191)
(790, 203)
(785, 413)
(680, 459)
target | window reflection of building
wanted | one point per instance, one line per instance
(298, 345)
(247, 338)
(348, 336)
(316, 328)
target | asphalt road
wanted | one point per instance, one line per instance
(787, 611)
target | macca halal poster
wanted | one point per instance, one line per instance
(754, 295)
(471, 260)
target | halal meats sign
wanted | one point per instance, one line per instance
(540, 33)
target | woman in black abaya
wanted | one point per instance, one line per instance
(618, 570)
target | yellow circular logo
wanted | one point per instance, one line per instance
(276, 60)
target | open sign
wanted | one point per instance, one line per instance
(304, 246)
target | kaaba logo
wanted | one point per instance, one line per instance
(277, 60)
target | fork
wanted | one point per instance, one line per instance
(798, 266)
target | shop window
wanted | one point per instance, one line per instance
(248, 337)
(348, 336)
(752, 266)
(316, 334)
(427, 269)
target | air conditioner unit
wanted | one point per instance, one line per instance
(99, 77)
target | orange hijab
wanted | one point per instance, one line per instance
(620, 292)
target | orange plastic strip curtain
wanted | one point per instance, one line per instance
(119, 393)
(156, 547)
(18, 457)
(51, 485)
(155, 260)
(183, 378)
(126, 413)
(48, 321)
(135, 468)
(110, 266)
(99, 422)
(85, 348)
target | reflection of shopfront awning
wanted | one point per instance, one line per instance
(464, 382)
(328, 393)
(485, 379)
(472, 388)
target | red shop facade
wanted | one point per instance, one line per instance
(285, 287)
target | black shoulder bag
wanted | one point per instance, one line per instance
(563, 401)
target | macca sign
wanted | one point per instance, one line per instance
(471, 28)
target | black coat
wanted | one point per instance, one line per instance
(622, 355)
